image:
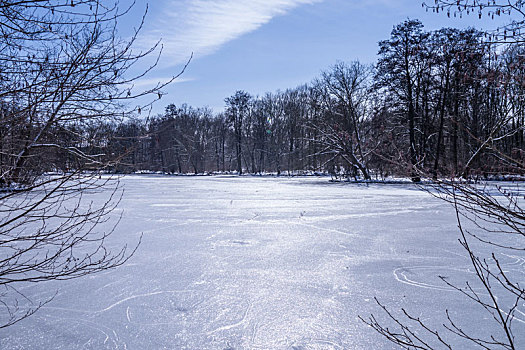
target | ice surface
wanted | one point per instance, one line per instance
(259, 263)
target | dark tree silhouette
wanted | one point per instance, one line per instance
(237, 110)
(400, 66)
(345, 90)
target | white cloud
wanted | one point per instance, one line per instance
(152, 82)
(203, 26)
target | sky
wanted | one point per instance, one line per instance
(263, 46)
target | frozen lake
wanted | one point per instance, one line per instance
(258, 263)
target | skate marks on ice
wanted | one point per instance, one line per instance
(428, 276)
(431, 277)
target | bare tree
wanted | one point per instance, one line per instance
(513, 32)
(497, 222)
(403, 61)
(63, 71)
(345, 90)
(237, 110)
(491, 222)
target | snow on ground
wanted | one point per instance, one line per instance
(259, 263)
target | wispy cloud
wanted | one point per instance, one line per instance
(153, 82)
(203, 26)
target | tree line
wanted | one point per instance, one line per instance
(441, 103)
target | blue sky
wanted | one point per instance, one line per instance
(267, 45)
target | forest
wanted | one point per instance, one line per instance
(444, 103)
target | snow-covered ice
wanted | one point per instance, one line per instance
(259, 263)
